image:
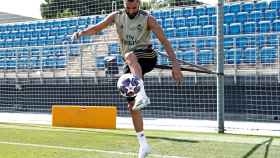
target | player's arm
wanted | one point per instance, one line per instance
(96, 28)
(156, 28)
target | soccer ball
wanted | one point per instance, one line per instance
(129, 85)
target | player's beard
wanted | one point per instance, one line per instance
(131, 15)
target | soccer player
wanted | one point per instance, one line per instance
(134, 27)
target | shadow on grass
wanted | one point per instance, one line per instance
(267, 144)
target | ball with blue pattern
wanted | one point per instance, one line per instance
(129, 85)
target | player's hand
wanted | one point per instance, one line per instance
(176, 73)
(75, 36)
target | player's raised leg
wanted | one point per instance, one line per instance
(141, 99)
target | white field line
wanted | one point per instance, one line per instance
(83, 149)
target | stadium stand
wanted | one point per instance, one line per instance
(240, 18)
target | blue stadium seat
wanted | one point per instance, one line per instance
(156, 13)
(60, 51)
(27, 34)
(191, 21)
(206, 57)
(235, 7)
(184, 44)
(249, 27)
(56, 24)
(249, 56)
(209, 30)
(200, 44)
(233, 56)
(247, 7)
(170, 32)
(189, 56)
(199, 11)
(99, 18)
(275, 4)
(3, 63)
(81, 21)
(11, 63)
(210, 10)
(2, 54)
(64, 23)
(74, 50)
(33, 42)
(241, 42)
(11, 53)
(251, 41)
(163, 60)
(272, 40)
(213, 20)
(195, 31)
(48, 51)
(60, 62)
(24, 26)
(228, 42)
(48, 23)
(2, 43)
(226, 29)
(177, 12)
(35, 63)
(242, 17)
(203, 20)
(120, 61)
(71, 30)
(229, 18)
(235, 28)
(168, 23)
(260, 41)
(255, 16)
(268, 55)
(180, 22)
(226, 8)
(2, 28)
(264, 26)
(35, 52)
(9, 43)
(23, 53)
(270, 15)
(17, 42)
(165, 13)
(23, 63)
(49, 62)
(261, 5)
(62, 31)
(100, 63)
(276, 26)
(187, 12)
(113, 49)
(211, 43)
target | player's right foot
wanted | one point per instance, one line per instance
(144, 150)
(141, 101)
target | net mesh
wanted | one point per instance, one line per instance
(39, 67)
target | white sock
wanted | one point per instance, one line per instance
(141, 138)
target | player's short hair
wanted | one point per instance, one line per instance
(130, 0)
(124, 1)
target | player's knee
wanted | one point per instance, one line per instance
(130, 58)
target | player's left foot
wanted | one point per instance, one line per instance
(144, 150)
